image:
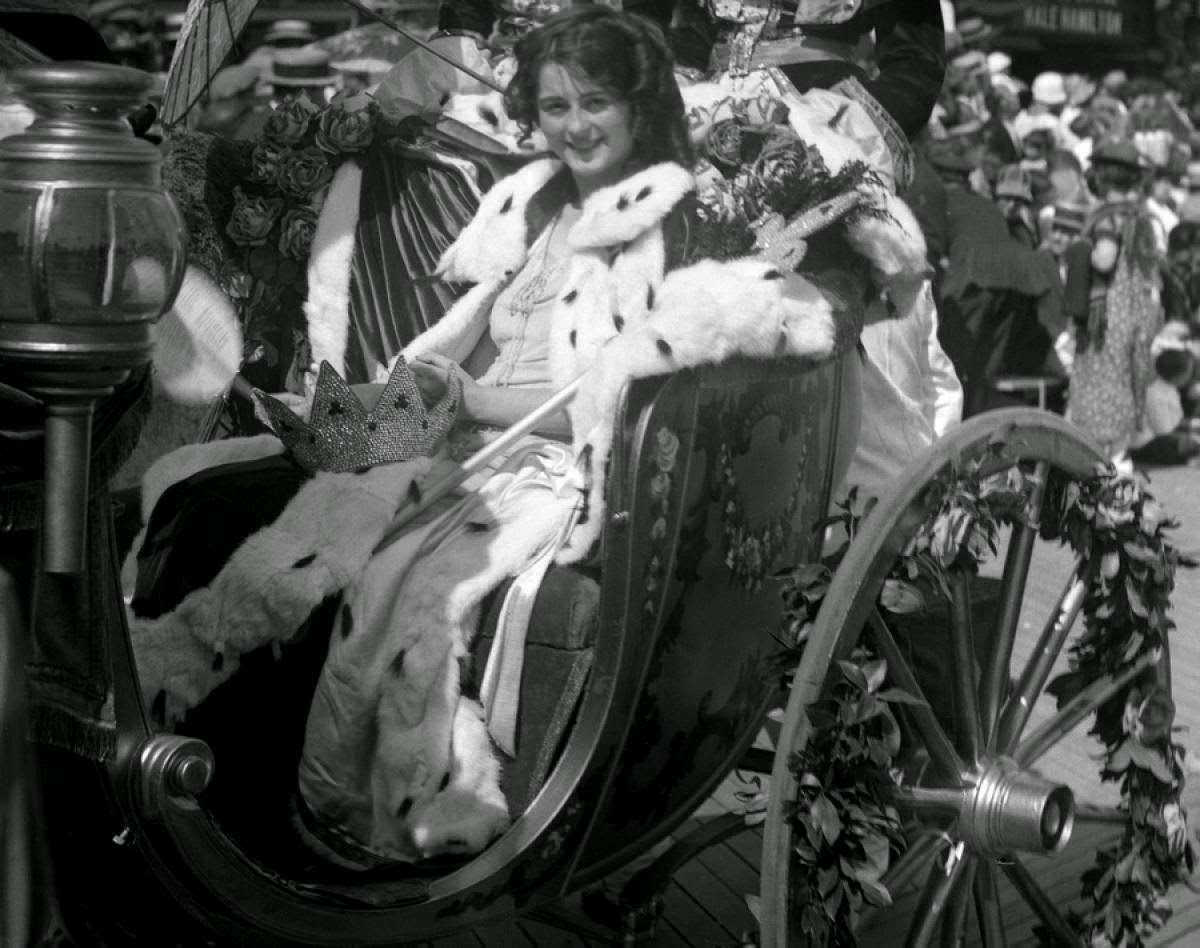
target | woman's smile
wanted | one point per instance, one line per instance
(585, 125)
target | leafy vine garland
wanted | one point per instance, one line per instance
(845, 821)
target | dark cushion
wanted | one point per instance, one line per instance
(558, 658)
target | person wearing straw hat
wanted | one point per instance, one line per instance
(289, 33)
(304, 71)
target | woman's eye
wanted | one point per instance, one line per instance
(597, 105)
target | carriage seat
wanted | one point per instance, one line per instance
(255, 722)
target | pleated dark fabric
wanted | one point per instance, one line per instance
(412, 207)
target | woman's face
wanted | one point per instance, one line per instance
(585, 125)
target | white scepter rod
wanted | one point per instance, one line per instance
(477, 462)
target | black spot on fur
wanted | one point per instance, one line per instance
(424, 424)
(445, 781)
(347, 618)
(572, 338)
(312, 439)
(649, 297)
(489, 116)
(475, 527)
(402, 402)
(508, 272)
(644, 193)
(397, 665)
(403, 809)
(838, 116)
(618, 321)
(304, 561)
(372, 425)
(414, 492)
(335, 408)
(571, 297)
(623, 203)
(218, 661)
(507, 205)
(773, 274)
(663, 346)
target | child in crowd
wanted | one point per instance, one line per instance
(1168, 436)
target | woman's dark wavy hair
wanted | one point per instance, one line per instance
(623, 54)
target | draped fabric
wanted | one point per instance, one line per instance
(415, 200)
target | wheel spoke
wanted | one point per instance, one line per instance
(1095, 813)
(1056, 728)
(994, 681)
(954, 924)
(939, 888)
(930, 804)
(1037, 670)
(1032, 893)
(941, 750)
(962, 648)
(899, 876)
(987, 906)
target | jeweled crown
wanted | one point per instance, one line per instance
(342, 436)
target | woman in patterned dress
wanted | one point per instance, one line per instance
(1112, 366)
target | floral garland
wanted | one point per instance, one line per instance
(846, 772)
(252, 209)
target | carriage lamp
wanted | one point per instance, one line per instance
(91, 254)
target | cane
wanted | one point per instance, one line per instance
(477, 462)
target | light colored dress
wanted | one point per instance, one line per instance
(1109, 381)
(388, 720)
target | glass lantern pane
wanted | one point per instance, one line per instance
(111, 256)
(16, 281)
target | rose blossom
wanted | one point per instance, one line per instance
(288, 123)
(296, 233)
(303, 172)
(252, 218)
(348, 125)
(264, 162)
(1156, 714)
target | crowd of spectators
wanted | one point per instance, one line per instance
(1063, 217)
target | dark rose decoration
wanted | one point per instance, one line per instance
(296, 233)
(264, 162)
(252, 218)
(724, 145)
(303, 172)
(347, 125)
(288, 124)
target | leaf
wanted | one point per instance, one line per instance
(875, 672)
(854, 674)
(900, 696)
(876, 894)
(825, 815)
(754, 905)
(900, 597)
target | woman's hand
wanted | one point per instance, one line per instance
(433, 374)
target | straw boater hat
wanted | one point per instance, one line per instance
(172, 26)
(290, 32)
(301, 67)
(974, 32)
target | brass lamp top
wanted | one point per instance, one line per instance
(79, 136)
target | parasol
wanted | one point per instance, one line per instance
(210, 30)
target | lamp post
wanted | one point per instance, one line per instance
(91, 254)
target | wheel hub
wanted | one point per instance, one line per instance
(1014, 810)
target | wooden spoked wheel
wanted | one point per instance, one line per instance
(980, 806)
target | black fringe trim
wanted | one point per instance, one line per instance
(57, 727)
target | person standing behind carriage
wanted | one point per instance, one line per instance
(1112, 362)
